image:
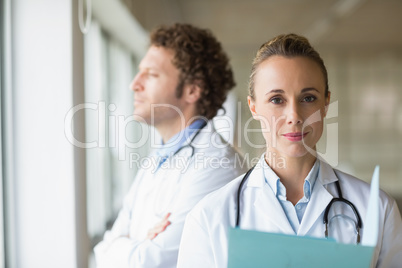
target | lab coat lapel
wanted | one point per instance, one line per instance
(267, 205)
(320, 199)
(202, 136)
(180, 159)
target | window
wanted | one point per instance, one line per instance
(2, 22)
(6, 184)
(113, 138)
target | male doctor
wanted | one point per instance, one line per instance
(182, 82)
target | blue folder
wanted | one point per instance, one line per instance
(258, 249)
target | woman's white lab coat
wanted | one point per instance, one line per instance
(204, 241)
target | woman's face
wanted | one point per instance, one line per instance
(290, 103)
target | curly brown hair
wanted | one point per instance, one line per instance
(201, 60)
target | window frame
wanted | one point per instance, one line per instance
(7, 194)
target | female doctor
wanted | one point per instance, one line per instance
(290, 188)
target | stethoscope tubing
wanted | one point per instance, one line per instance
(326, 212)
(191, 141)
(187, 145)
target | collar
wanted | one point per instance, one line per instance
(325, 175)
(279, 189)
(177, 141)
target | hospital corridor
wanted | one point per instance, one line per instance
(126, 119)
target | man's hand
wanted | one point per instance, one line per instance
(159, 227)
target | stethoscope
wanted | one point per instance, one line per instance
(326, 212)
(190, 144)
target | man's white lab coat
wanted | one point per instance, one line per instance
(182, 181)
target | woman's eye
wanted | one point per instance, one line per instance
(309, 99)
(276, 100)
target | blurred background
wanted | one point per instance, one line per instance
(70, 149)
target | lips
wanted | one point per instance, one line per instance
(295, 136)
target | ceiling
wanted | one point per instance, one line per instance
(241, 24)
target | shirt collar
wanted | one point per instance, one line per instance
(177, 141)
(279, 189)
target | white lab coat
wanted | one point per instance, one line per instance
(204, 241)
(176, 187)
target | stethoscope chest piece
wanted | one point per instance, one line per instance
(356, 225)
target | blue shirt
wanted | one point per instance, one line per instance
(293, 213)
(176, 142)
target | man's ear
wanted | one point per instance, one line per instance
(251, 105)
(191, 93)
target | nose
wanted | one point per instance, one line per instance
(137, 83)
(293, 114)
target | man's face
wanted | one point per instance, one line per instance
(154, 87)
